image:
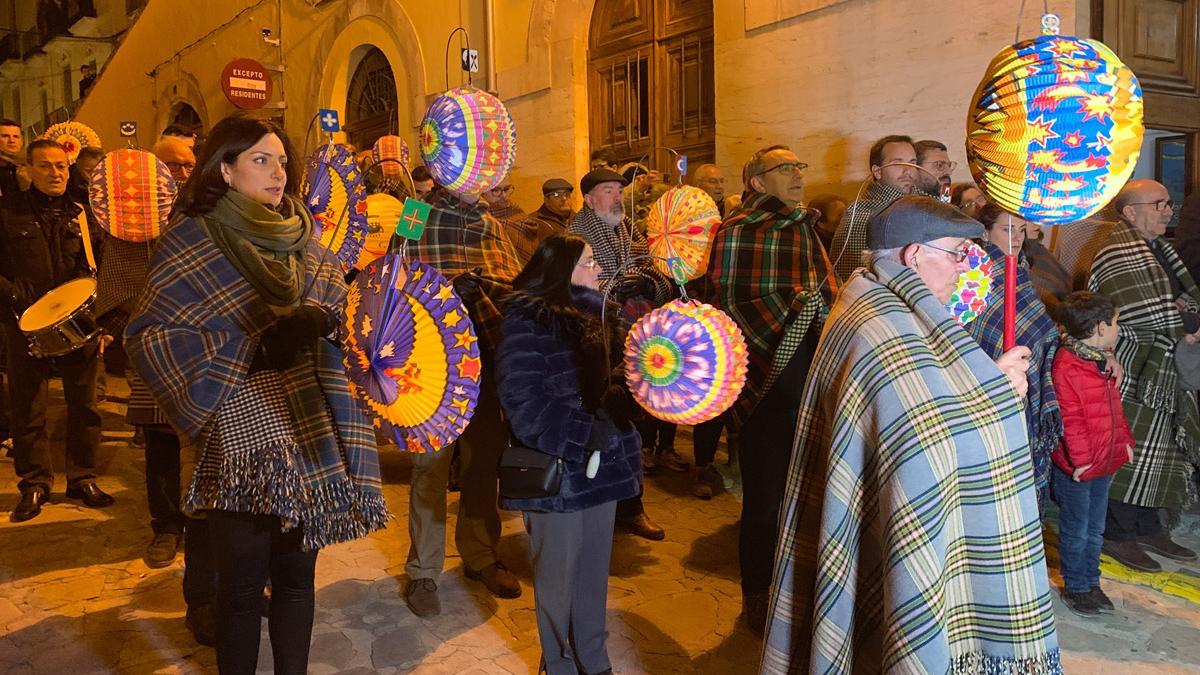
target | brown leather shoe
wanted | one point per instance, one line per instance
(1129, 554)
(1161, 544)
(422, 598)
(162, 550)
(642, 526)
(497, 578)
(701, 488)
(30, 504)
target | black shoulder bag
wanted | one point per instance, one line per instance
(528, 473)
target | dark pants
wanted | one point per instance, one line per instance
(764, 454)
(1130, 521)
(705, 439)
(571, 553)
(199, 567)
(1082, 508)
(656, 434)
(27, 390)
(250, 549)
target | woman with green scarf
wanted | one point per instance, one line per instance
(234, 336)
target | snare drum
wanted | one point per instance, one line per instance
(61, 320)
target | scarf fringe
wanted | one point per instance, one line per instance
(267, 481)
(978, 663)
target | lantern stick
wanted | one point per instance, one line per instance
(1010, 293)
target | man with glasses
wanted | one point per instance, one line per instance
(934, 159)
(709, 178)
(894, 173)
(500, 204)
(550, 218)
(1159, 305)
(178, 156)
(767, 272)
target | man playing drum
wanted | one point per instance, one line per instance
(41, 247)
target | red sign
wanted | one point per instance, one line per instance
(246, 83)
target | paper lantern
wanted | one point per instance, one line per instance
(334, 193)
(131, 193)
(391, 148)
(73, 136)
(1055, 128)
(468, 140)
(680, 225)
(383, 212)
(411, 353)
(974, 287)
(685, 362)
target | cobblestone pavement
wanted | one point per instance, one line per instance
(75, 596)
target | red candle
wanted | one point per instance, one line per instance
(1010, 301)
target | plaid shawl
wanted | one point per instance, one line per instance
(1037, 331)
(614, 246)
(911, 540)
(1163, 417)
(850, 240)
(766, 272)
(192, 338)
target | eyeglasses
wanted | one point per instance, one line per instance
(502, 189)
(789, 167)
(179, 166)
(1159, 204)
(590, 263)
(941, 165)
(560, 194)
(959, 254)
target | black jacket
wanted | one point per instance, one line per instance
(554, 388)
(40, 248)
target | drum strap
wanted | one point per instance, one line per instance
(81, 219)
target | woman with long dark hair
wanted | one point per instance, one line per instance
(233, 337)
(563, 397)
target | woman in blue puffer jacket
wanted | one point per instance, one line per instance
(563, 396)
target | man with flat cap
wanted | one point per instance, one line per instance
(551, 218)
(635, 284)
(911, 538)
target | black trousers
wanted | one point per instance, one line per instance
(1126, 522)
(706, 436)
(764, 455)
(249, 550)
(27, 392)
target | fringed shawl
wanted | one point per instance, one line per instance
(194, 333)
(911, 540)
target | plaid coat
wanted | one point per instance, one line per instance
(192, 337)
(1163, 417)
(850, 240)
(911, 541)
(767, 272)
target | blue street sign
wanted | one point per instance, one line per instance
(329, 120)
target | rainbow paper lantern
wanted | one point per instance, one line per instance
(680, 225)
(73, 136)
(468, 140)
(974, 286)
(411, 353)
(685, 362)
(1055, 128)
(334, 194)
(131, 193)
(393, 149)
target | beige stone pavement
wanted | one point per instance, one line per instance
(76, 598)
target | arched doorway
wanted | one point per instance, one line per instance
(371, 100)
(184, 116)
(650, 79)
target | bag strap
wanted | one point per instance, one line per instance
(81, 220)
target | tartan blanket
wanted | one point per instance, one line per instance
(1037, 331)
(911, 541)
(766, 272)
(850, 240)
(614, 246)
(460, 237)
(192, 337)
(1163, 417)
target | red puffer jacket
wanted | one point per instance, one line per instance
(1094, 428)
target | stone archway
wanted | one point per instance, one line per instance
(183, 90)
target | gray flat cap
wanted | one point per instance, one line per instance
(914, 219)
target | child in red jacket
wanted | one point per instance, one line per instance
(1096, 442)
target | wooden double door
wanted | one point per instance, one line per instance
(650, 80)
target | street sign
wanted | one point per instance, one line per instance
(681, 165)
(128, 129)
(329, 120)
(246, 84)
(470, 60)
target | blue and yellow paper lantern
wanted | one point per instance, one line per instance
(468, 140)
(1055, 128)
(334, 194)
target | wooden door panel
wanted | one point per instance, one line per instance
(677, 17)
(1158, 39)
(685, 102)
(620, 24)
(619, 100)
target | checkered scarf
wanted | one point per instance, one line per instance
(614, 246)
(191, 339)
(911, 540)
(1037, 331)
(766, 271)
(850, 240)
(1163, 417)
